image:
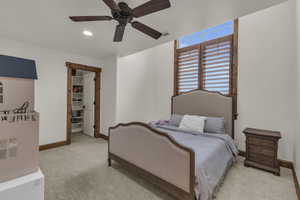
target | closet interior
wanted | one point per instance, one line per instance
(83, 93)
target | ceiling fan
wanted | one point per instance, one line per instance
(123, 14)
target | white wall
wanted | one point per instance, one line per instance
(145, 84)
(267, 74)
(297, 134)
(109, 94)
(51, 87)
(266, 82)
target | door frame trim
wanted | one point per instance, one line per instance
(74, 66)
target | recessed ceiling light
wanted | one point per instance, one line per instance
(87, 33)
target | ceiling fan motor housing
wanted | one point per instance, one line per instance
(124, 15)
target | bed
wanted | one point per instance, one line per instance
(186, 166)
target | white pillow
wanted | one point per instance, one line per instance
(193, 123)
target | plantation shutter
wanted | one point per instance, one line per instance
(205, 66)
(187, 69)
(216, 64)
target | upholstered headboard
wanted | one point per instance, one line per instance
(205, 103)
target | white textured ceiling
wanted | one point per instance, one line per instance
(45, 23)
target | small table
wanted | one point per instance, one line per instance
(261, 149)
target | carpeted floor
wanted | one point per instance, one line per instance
(80, 172)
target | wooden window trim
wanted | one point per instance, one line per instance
(175, 67)
(1, 93)
(235, 66)
(233, 63)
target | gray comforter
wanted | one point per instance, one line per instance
(214, 155)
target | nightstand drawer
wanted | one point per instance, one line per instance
(261, 142)
(259, 158)
(256, 149)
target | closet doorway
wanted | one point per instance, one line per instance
(83, 100)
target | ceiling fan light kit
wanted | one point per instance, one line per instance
(124, 15)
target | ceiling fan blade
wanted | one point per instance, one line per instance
(90, 18)
(112, 4)
(151, 7)
(119, 33)
(146, 29)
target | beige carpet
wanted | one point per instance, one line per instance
(80, 172)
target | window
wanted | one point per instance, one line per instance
(1, 92)
(206, 35)
(207, 60)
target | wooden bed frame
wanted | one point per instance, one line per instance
(157, 157)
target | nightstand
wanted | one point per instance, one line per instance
(261, 149)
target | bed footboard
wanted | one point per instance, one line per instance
(155, 156)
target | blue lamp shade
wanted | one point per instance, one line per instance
(17, 67)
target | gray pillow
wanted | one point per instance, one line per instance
(215, 125)
(175, 120)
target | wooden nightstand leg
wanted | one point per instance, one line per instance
(246, 164)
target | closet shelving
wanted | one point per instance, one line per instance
(77, 102)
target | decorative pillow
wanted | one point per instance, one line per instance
(214, 125)
(159, 123)
(175, 120)
(192, 123)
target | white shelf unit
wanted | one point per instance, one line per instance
(77, 103)
(77, 80)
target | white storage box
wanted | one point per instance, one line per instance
(29, 187)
